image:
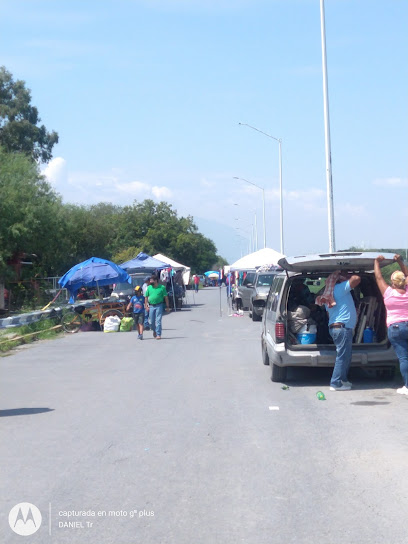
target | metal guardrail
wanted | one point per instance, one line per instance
(25, 319)
(32, 317)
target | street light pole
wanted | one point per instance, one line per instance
(252, 235)
(279, 140)
(263, 204)
(329, 181)
(256, 233)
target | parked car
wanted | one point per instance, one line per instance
(243, 294)
(127, 290)
(292, 293)
(259, 293)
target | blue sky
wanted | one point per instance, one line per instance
(146, 96)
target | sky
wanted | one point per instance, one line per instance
(147, 97)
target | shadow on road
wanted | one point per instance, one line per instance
(361, 378)
(24, 411)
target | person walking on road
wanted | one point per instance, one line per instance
(146, 283)
(396, 304)
(196, 282)
(342, 320)
(156, 296)
(137, 302)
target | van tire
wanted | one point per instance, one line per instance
(265, 356)
(278, 373)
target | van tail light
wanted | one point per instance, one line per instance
(280, 332)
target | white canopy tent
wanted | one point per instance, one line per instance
(263, 257)
(176, 266)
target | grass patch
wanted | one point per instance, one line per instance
(11, 338)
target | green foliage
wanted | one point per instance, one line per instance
(29, 210)
(19, 121)
(219, 263)
(125, 255)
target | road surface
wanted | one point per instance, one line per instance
(186, 440)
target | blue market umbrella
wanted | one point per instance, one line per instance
(94, 272)
(212, 273)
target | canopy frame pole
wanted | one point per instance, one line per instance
(172, 286)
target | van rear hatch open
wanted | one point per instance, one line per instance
(328, 262)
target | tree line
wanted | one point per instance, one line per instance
(36, 225)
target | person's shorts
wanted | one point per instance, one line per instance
(139, 318)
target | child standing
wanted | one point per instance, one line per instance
(137, 301)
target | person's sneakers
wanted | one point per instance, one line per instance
(140, 336)
(154, 334)
(347, 383)
(343, 387)
(403, 390)
(158, 337)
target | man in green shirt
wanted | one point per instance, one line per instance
(155, 296)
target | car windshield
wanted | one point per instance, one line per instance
(119, 287)
(265, 280)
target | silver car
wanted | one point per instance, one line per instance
(243, 294)
(259, 294)
(290, 305)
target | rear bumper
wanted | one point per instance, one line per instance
(374, 356)
(258, 306)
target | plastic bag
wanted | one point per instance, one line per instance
(126, 325)
(112, 324)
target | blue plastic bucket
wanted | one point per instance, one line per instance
(306, 338)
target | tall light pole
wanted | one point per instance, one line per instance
(255, 227)
(253, 232)
(244, 238)
(329, 181)
(279, 140)
(263, 204)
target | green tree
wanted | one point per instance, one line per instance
(219, 263)
(88, 232)
(29, 210)
(20, 128)
(125, 255)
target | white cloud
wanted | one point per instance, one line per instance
(352, 210)
(90, 187)
(309, 196)
(161, 192)
(134, 188)
(205, 183)
(391, 182)
(56, 171)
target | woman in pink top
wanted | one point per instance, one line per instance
(396, 304)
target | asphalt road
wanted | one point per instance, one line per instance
(175, 441)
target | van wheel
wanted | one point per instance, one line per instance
(265, 356)
(278, 373)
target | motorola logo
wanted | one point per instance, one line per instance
(25, 518)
